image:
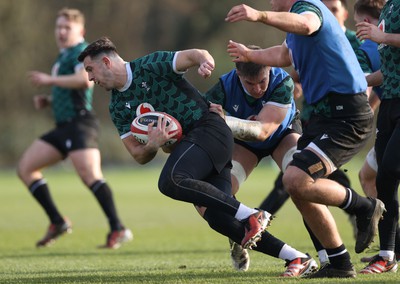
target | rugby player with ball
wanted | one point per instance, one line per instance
(198, 169)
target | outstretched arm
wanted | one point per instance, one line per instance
(277, 56)
(195, 57)
(257, 129)
(304, 24)
(78, 80)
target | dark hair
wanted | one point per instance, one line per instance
(250, 69)
(102, 45)
(73, 15)
(344, 2)
(372, 8)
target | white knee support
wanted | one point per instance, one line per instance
(238, 172)
(371, 159)
(288, 158)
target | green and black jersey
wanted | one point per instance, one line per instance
(390, 55)
(69, 103)
(153, 81)
(353, 39)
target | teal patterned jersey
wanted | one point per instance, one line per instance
(160, 88)
(69, 103)
(390, 56)
(353, 39)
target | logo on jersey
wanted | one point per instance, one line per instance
(144, 86)
(128, 105)
(235, 108)
(68, 143)
(339, 107)
(381, 26)
(143, 108)
(324, 136)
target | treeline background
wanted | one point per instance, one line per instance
(137, 27)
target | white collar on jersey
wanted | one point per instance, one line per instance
(129, 79)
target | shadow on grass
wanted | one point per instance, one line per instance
(159, 276)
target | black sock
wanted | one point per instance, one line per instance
(354, 203)
(339, 258)
(397, 240)
(41, 193)
(104, 196)
(317, 244)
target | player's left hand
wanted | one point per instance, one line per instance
(238, 51)
(369, 31)
(39, 79)
(160, 134)
(206, 68)
(242, 13)
(217, 109)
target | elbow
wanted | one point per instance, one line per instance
(307, 28)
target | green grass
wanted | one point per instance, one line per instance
(172, 244)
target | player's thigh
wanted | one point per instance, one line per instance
(87, 163)
(38, 155)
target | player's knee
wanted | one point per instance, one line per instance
(295, 183)
(290, 186)
(24, 173)
(238, 176)
(168, 184)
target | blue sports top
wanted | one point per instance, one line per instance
(230, 93)
(325, 60)
(370, 49)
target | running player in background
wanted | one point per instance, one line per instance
(368, 56)
(387, 35)
(75, 135)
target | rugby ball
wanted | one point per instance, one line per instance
(140, 126)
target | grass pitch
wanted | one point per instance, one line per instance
(172, 244)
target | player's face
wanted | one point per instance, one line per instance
(256, 86)
(338, 10)
(99, 73)
(68, 33)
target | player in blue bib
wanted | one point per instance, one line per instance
(341, 124)
(260, 97)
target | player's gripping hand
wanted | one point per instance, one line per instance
(242, 13)
(160, 134)
(238, 51)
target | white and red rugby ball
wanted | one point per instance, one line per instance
(139, 126)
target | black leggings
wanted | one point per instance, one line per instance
(388, 176)
(190, 176)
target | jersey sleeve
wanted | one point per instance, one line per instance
(161, 63)
(282, 95)
(122, 118)
(216, 94)
(303, 7)
(364, 61)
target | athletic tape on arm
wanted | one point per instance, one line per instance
(245, 130)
